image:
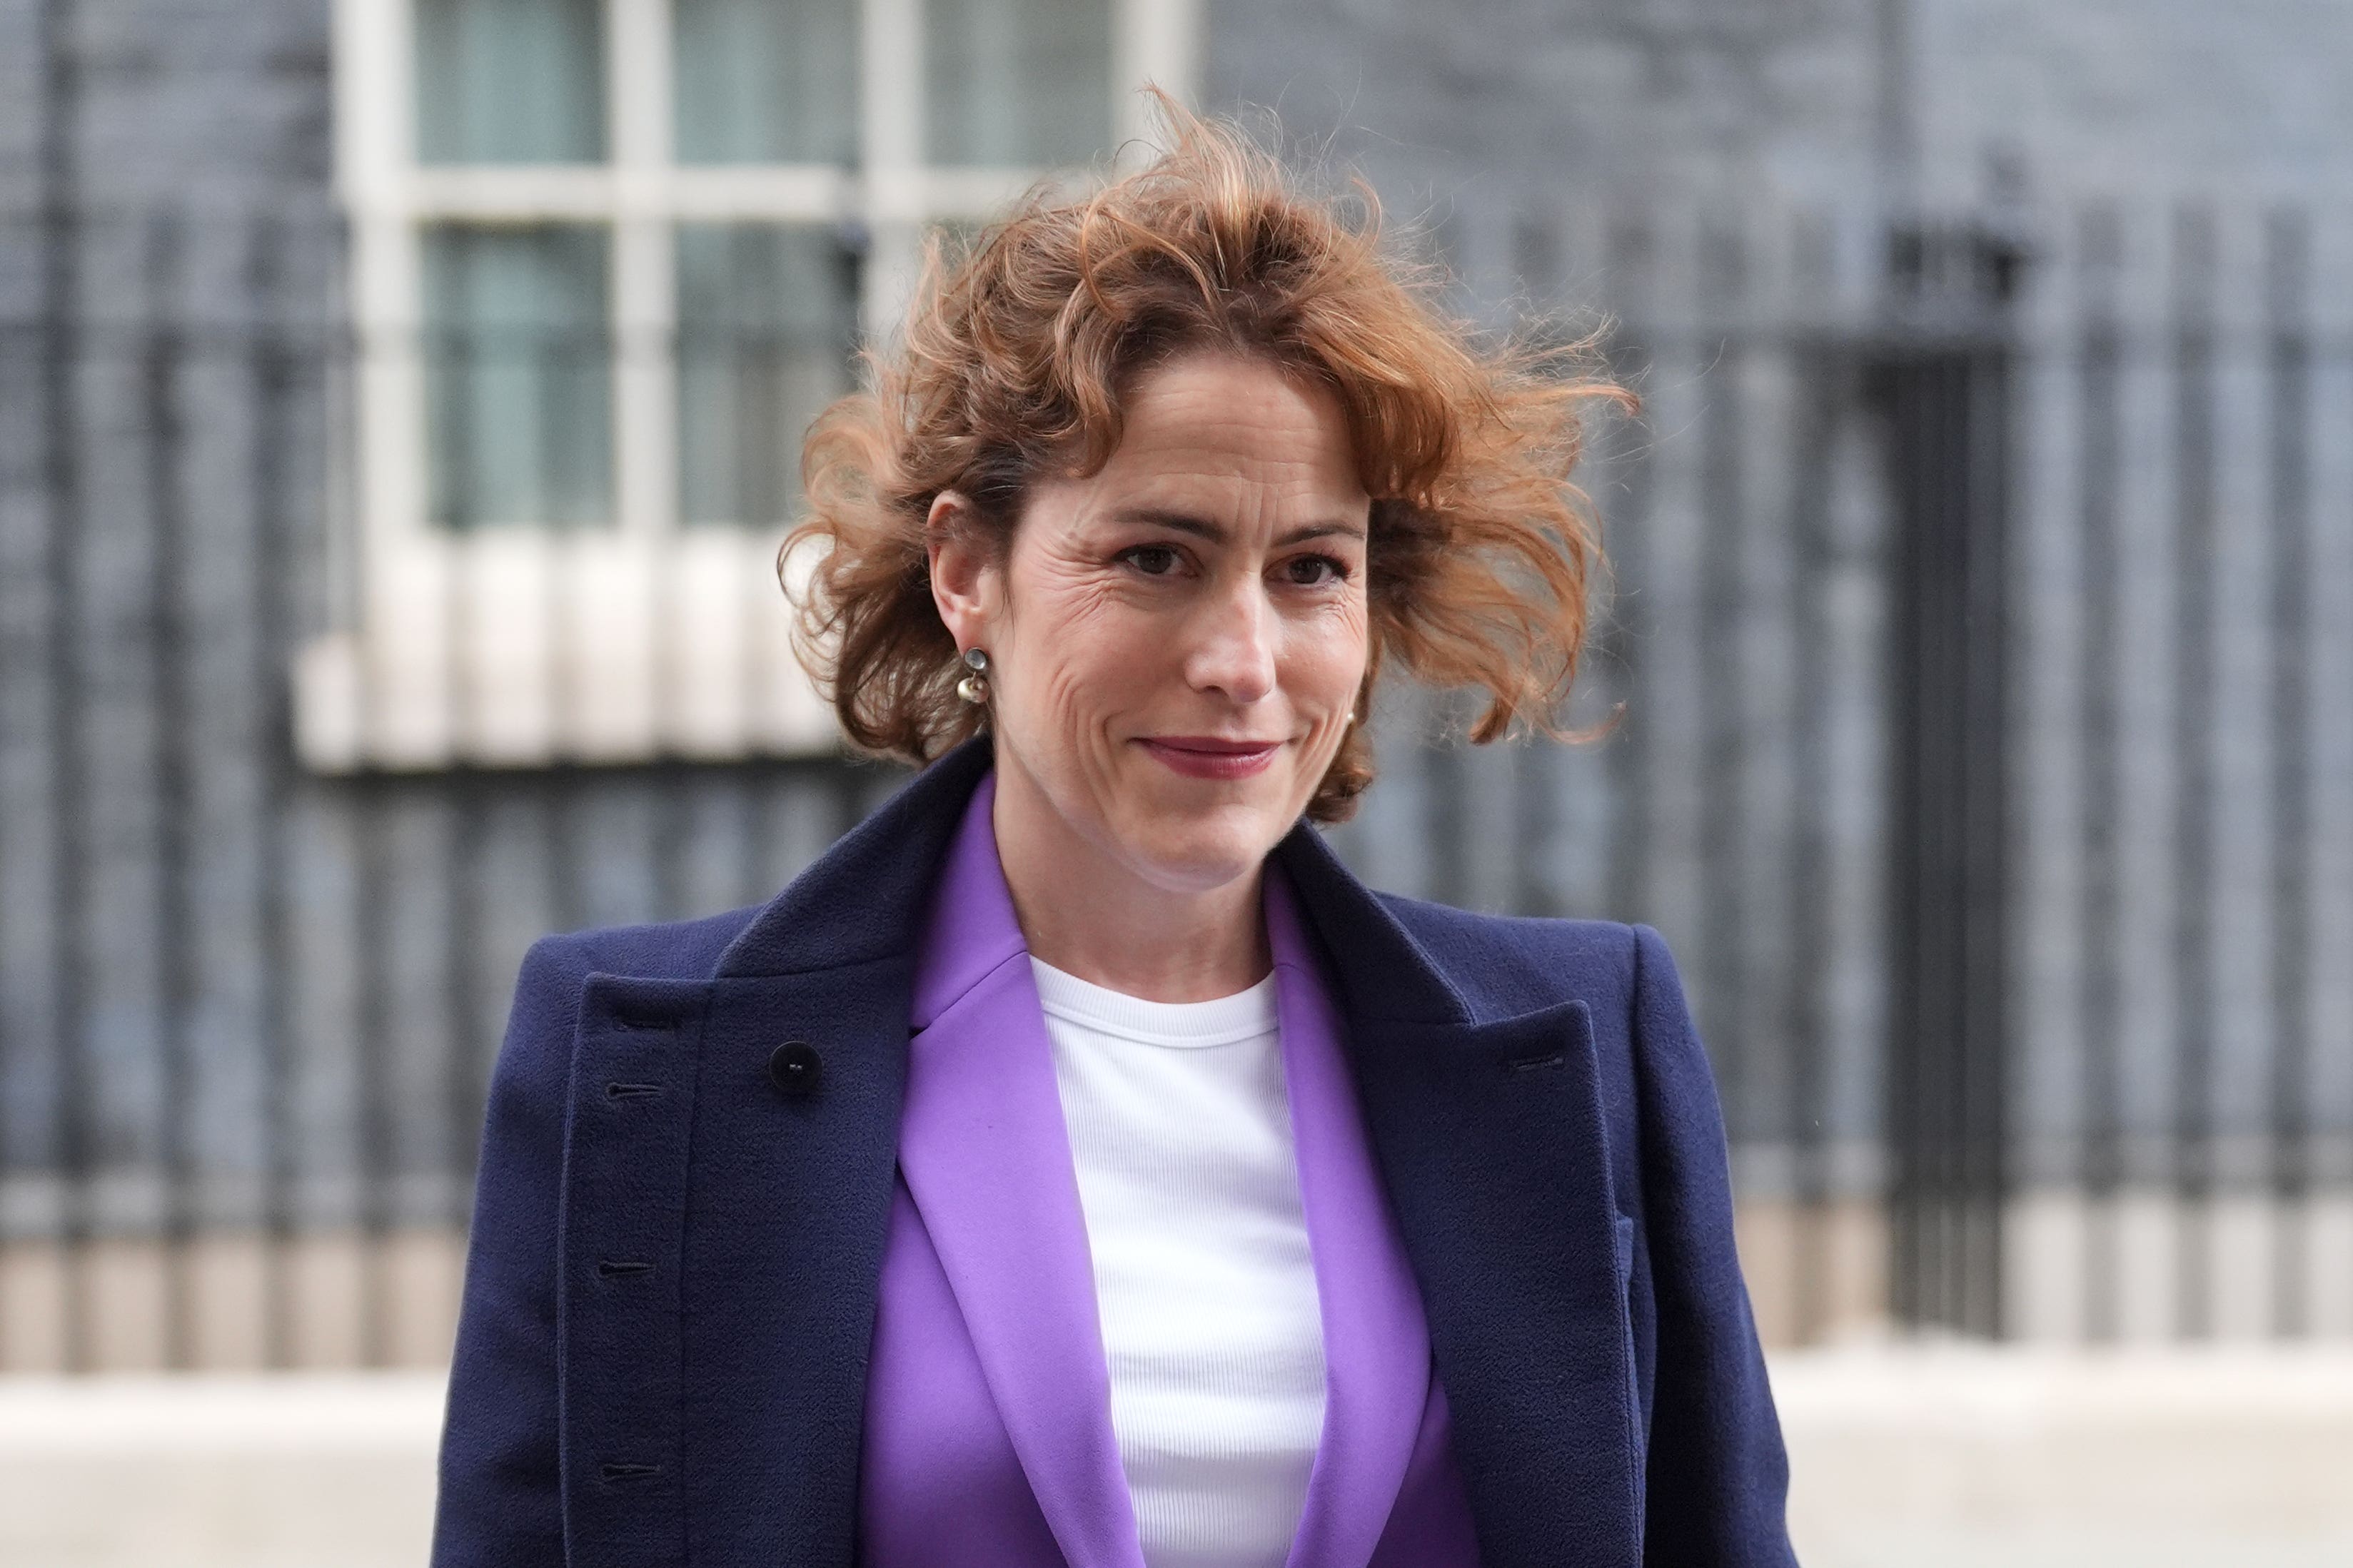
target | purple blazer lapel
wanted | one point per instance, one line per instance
(987, 1160)
(987, 1163)
(1376, 1343)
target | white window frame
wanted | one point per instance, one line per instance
(522, 647)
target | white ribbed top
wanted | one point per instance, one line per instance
(1180, 1131)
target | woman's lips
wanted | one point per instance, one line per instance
(1207, 757)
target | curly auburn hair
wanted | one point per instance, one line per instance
(1015, 357)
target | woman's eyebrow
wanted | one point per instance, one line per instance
(1203, 528)
(1178, 521)
(1322, 530)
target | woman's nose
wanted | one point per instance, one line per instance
(1234, 648)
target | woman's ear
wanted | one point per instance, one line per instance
(966, 586)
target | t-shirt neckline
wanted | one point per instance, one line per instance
(1221, 1021)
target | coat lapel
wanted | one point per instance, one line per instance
(987, 1161)
(1376, 1345)
(1489, 1136)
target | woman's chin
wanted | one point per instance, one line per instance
(1195, 852)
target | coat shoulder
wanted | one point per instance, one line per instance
(669, 950)
(1505, 966)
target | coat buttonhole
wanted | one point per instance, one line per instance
(628, 1472)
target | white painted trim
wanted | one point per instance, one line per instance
(890, 133)
(645, 287)
(1154, 41)
(374, 108)
(559, 192)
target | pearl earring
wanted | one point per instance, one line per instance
(973, 687)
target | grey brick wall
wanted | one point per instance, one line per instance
(1489, 106)
(1466, 112)
(1478, 116)
(1598, 93)
(206, 102)
(2102, 96)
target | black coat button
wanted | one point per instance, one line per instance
(795, 1067)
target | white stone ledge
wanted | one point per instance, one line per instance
(1924, 1457)
(311, 1470)
(1902, 1458)
(288, 1415)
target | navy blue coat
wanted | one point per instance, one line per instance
(670, 1291)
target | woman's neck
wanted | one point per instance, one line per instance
(1086, 912)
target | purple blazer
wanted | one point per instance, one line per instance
(675, 1312)
(988, 1428)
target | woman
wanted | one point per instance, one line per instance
(1077, 1164)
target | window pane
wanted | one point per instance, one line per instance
(509, 81)
(768, 317)
(761, 81)
(518, 375)
(1018, 81)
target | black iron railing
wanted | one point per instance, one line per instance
(2005, 599)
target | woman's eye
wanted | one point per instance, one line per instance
(1313, 571)
(1152, 560)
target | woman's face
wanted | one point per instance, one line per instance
(1176, 643)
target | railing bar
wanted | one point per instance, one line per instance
(2294, 890)
(172, 690)
(270, 369)
(1948, 404)
(1531, 873)
(2102, 989)
(1992, 480)
(1904, 865)
(1806, 1021)
(1629, 758)
(1932, 1023)
(65, 688)
(559, 828)
(1446, 771)
(1727, 689)
(2194, 642)
(752, 867)
(672, 830)
(21, 365)
(1943, 1031)
(371, 1075)
(1949, 1138)
(465, 1059)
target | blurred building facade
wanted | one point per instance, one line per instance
(400, 404)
